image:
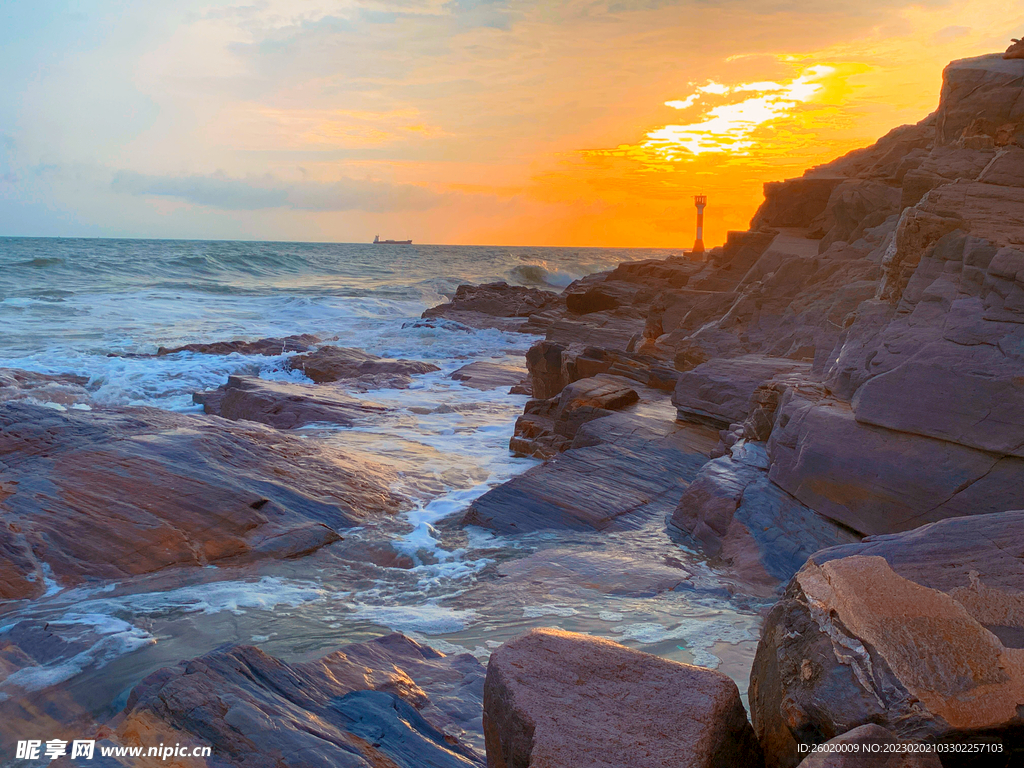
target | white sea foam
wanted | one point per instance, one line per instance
(536, 611)
(426, 619)
(698, 635)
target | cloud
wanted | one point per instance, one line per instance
(265, 192)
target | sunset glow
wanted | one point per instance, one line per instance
(563, 124)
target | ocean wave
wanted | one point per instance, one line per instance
(539, 275)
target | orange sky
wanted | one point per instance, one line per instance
(573, 123)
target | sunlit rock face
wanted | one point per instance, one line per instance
(920, 633)
(563, 700)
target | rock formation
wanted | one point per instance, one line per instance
(113, 494)
(920, 632)
(562, 700)
(387, 702)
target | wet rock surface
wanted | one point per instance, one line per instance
(330, 363)
(487, 375)
(915, 632)
(387, 702)
(619, 469)
(268, 347)
(283, 405)
(865, 747)
(113, 494)
(742, 520)
(560, 699)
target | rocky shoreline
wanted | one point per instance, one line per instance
(829, 408)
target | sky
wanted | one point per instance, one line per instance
(579, 123)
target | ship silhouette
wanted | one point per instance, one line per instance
(378, 241)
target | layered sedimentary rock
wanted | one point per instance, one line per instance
(112, 494)
(283, 405)
(495, 305)
(388, 702)
(916, 632)
(487, 375)
(618, 471)
(561, 700)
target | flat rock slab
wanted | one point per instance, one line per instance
(282, 405)
(266, 347)
(486, 375)
(718, 392)
(556, 699)
(921, 632)
(387, 702)
(113, 494)
(60, 389)
(624, 465)
(332, 363)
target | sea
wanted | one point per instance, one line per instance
(96, 307)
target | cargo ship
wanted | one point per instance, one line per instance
(378, 241)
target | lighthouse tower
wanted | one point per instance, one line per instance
(700, 201)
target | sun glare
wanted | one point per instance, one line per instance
(740, 120)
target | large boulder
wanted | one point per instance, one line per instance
(484, 374)
(547, 372)
(283, 405)
(332, 363)
(749, 525)
(114, 494)
(921, 633)
(387, 702)
(556, 699)
(718, 392)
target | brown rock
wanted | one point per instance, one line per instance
(544, 361)
(63, 389)
(876, 480)
(338, 363)
(486, 375)
(109, 495)
(389, 702)
(1015, 51)
(718, 392)
(269, 347)
(496, 300)
(917, 632)
(794, 202)
(283, 405)
(984, 85)
(563, 700)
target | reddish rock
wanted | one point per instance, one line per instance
(113, 494)
(563, 700)
(986, 86)
(544, 361)
(794, 202)
(496, 300)
(919, 632)
(389, 702)
(718, 392)
(283, 405)
(63, 389)
(487, 375)
(272, 346)
(331, 363)
(1015, 51)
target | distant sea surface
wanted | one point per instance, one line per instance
(65, 305)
